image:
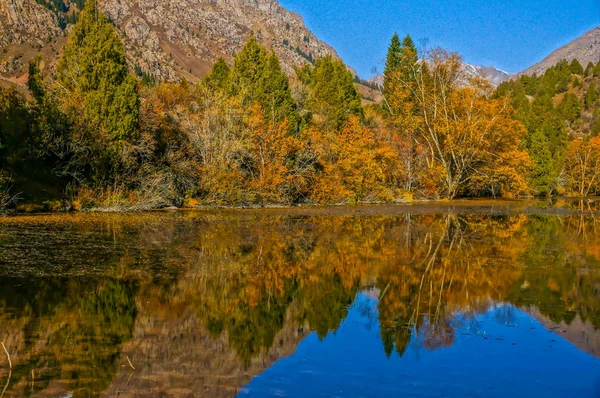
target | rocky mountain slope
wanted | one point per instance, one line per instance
(585, 49)
(167, 39)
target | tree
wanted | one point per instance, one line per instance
(576, 68)
(333, 96)
(257, 77)
(570, 107)
(275, 95)
(219, 77)
(591, 96)
(597, 70)
(248, 67)
(392, 66)
(582, 166)
(356, 167)
(466, 131)
(589, 70)
(99, 93)
(543, 173)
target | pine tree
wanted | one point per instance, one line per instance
(589, 70)
(275, 95)
(333, 96)
(248, 67)
(257, 77)
(35, 80)
(576, 68)
(219, 77)
(591, 96)
(570, 107)
(542, 175)
(597, 70)
(392, 66)
(102, 96)
(409, 60)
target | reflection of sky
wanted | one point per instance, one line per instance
(503, 352)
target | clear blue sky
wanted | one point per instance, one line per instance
(509, 34)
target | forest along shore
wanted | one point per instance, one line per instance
(93, 135)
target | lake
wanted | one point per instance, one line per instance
(459, 299)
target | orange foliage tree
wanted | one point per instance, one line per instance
(582, 166)
(355, 166)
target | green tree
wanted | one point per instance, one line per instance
(100, 94)
(392, 66)
(409, 60)
(570, 107)
(333, 96)
(275, 95)
(257, 77)
(219, 77)
(597, 70)
(543, 174)
(589, 70)
(591, 96)
(576, 68)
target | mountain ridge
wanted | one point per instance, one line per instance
(166, 39)
(585, 49)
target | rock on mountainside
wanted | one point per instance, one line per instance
(585, 49)
(168, 39)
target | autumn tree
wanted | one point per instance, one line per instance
(355, 166)
(582, 166)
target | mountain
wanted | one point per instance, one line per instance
(492, 74)
(167, 39)
(585, 49)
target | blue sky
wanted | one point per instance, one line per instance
(509, 34)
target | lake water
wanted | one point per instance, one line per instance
(463, 299)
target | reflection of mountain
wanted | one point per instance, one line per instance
(583, 334)
(204, 301)
(174, 355)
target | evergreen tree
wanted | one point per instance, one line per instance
(392, 66)
(589, 70)
(597, 70)
(248, 67)
(576, 68)
(543, 173)
(219, 77)
(257, 77)
(102, 95)
(275, 95)
(35, 80)
(591, 96)
(409, 60)
(333, 95)
(570, 107)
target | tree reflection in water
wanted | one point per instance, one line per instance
(204, 301)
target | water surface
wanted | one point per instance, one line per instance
(464, 299)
